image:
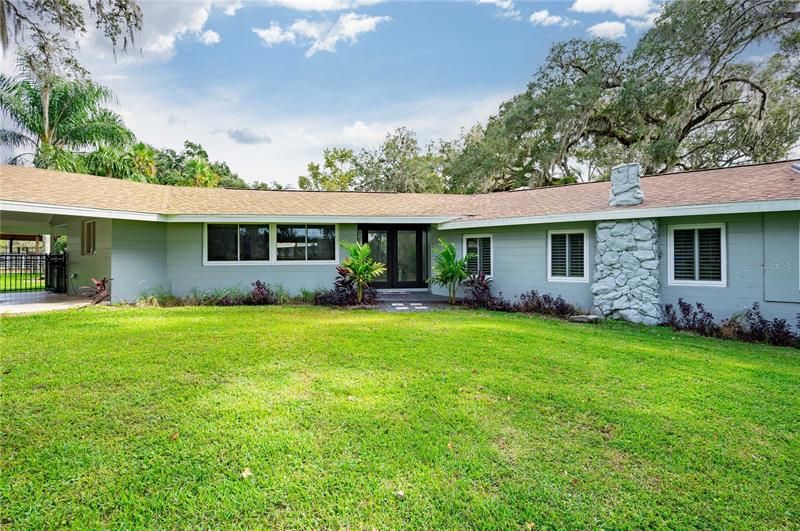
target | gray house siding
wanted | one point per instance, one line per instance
(186, 272)
(762, 256)
(782, 254)
(82, 268)
(520, 260)
(139, 259)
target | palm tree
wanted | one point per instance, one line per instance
(200, 173)
(58, 116)
(449, 271)
(361, 267)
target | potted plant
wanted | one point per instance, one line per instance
(449, 271)
(361, 267)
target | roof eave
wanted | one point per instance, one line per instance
(742, 207)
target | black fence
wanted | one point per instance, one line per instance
(33, 272)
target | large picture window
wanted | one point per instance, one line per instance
(566, 258)
(237, 243)
(697, 255)
(306, 242)
(480, 246)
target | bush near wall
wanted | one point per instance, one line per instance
(479, 296)
(749, 325)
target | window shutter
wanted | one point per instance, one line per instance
(485, 255)
(576, 255)
(709, 254)
(683, 254)
(558, 255)
(472, 263)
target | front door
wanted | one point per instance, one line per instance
(401, 248)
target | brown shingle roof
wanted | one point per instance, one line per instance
(760, 182)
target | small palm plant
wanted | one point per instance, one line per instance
(361, 267)
(449, 271)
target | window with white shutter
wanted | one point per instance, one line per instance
(566, 258)
(697, 255)
(480, 247)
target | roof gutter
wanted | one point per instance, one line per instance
(744, 207)
(41, 208)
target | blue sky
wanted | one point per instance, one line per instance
(267, 85)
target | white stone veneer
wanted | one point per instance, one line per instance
(626, 271)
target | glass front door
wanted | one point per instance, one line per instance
(401, 248)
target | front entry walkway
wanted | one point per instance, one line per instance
(21, 303)
(410, 301)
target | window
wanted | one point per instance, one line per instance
(237, 243)
(481, 247)
(88, 237)
(566, 258)
(697, 255)
(306, 242)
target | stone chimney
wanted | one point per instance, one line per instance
(625, 186)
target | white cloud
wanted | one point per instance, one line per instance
(621, 8)
(544, 18)
(321, 35)
(274, 34)
(644, 23)
(221, 123)
(608, 30)
(362, 134)
(506, 7)
(209, 37)
(322, 5)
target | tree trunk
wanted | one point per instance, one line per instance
(359, 293)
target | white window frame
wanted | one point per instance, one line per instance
(553, 278)
(84, 224)
(464, 239)
(723, 247)
(273, 247)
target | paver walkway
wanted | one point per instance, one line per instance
(410, 301)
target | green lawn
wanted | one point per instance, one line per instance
(148, 417)
(21, 282)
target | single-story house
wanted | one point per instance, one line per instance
(725, 237)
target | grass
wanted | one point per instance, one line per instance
(148, 417)
(21, 282)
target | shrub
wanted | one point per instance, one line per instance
(261, 295)
(533, 302)
(479, 295)
(749, 325)
(690, 319)
(345, 291)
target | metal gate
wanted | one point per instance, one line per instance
(33, 272)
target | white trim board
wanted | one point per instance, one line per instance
(491, 250)
(744, 207)
(442, 222)
(582, 279)
(723, 246)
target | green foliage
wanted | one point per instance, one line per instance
(59, 245)
(686, 97)
(449, 271)
(399, 164)
(48, 31)
(58, 117)
(338, 172)
(361, 267)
